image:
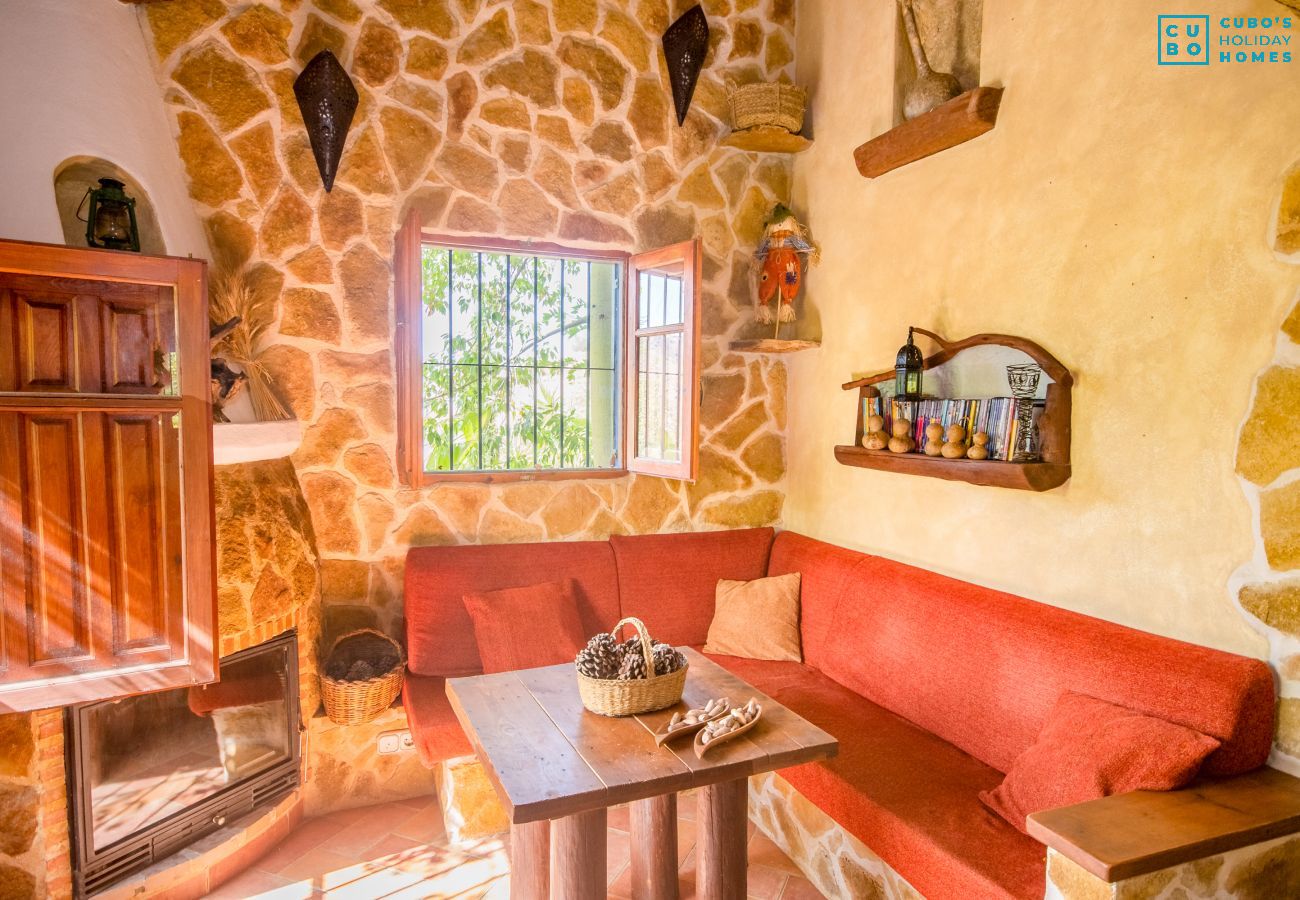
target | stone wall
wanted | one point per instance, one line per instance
(24, 819)
(1266, 871)
(1267, 586)
(836, 862)
(521, 119)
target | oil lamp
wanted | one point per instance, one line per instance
(907, 371)
(110, 218)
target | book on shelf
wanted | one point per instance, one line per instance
(995, 416)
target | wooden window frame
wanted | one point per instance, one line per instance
(686, 255)
(408, 254)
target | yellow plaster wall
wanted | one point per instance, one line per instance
(1119, 214)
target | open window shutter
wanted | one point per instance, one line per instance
(406, 293)
(662, 353)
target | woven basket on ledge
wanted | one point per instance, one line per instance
(776, 104)
(358, 702)
(617, 697)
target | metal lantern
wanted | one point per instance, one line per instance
(110, 219)
(907, 371)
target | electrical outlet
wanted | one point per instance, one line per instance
(395, 742)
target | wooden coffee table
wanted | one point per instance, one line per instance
(558, 768)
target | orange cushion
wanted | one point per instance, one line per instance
(757, 619)
(1091, 749)
(910, 796)
(668, 580)
(982, 669)
(439, 634)
(827, 576)
(525, 627)
(434, 727)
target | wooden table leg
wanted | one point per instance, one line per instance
(723, 829)
(654, 848)
(530, 860)
(578, 856)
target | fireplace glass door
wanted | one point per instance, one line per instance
(156, 771)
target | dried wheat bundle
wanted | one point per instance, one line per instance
(232, 294)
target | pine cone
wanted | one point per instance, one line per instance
(667, 659)
(589, 664)
(601, 657)
(633, 666)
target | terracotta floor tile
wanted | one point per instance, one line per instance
(425, 827)
(621, 887)
(765, 853)
(765, 883)
(618, 853)
(377, 853)
(313, 865)
(800, 888)
(388, 846)
(306, 837)
(619, 818)
(255, 883)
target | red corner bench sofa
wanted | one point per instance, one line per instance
(933, 686)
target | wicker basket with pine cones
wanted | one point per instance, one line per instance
(630, 677)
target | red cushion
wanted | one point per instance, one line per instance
(434, 727)
(1091, 749)
(526, 627)
(669, 581)
(439, 634)
(827, 575)
(905, 793)
(983, 669)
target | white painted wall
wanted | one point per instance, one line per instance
(76, 79)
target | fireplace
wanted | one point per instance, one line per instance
(153, 773)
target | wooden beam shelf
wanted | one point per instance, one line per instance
(772, 345)
(767, 139)
(952, 123)
(1040, 476)
(1053, 426)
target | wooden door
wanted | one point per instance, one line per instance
(106, 557)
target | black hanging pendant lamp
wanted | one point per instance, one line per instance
(328, 100)
(686, 43)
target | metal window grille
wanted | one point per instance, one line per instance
(520, 361)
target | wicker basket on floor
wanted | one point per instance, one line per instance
(619, 697)
(774, 103)
(358, 702)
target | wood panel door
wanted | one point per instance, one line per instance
(106, 555)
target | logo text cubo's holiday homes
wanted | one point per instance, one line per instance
(1196, 40)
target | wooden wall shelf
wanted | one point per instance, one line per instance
(767, 139)
(955, 122)
(1040, 476)
(772, 345)
(1053, 426)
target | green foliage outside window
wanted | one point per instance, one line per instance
(519, 361)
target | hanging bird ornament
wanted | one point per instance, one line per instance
(780, 269)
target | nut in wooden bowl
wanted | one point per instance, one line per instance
(692, 720)
(727, 727)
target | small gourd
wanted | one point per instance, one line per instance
(902, 441)
(979, 448)
(875, 438)
(933, 439)
(955, 448)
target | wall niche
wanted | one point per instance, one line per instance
(950, 33)
(78, 174)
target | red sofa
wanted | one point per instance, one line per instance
(932, 685)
